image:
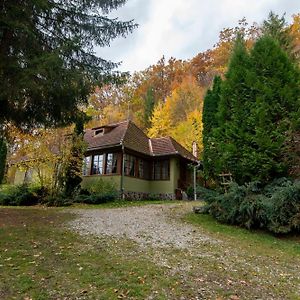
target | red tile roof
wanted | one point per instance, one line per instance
(128, 134)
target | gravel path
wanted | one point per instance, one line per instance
(147, 225)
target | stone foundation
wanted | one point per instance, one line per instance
(148, 196)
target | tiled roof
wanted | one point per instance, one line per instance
(135, 139)
(128, 134)
(168, 146)
(111, 138)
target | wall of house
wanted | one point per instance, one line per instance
(114, 179)
(17, 176)
(166, 187)
(133, 184)
(136, 188)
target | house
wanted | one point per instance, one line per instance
(138, 166)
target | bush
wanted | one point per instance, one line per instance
(275, 207)
(57, 201)
(20, 195)
(205, 194)
(97, 191)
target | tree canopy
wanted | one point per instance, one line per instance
(47, 61)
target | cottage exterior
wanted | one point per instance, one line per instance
(137, 165)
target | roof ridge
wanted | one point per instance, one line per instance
(150, 146)
(123, 137)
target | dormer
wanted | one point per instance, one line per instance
(101, 130)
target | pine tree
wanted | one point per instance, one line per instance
(47, 62)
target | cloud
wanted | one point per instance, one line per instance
(183, 28)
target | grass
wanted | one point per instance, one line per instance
(259, 240)
(125, 203)
(41, 259)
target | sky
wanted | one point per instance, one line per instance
(182, 28)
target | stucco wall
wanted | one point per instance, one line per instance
(115, 179)
(132, 184)
(154, 186)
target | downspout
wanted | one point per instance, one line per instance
(122, 173)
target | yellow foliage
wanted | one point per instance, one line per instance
(190, 130)
(160, 122)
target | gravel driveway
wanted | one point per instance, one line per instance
(154, 225)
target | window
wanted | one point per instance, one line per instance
(165, 170)
(129, 165)
(161, 170)
(86, 165)
(97, 164)
(99, 131)
(111, 163)
(141, 168)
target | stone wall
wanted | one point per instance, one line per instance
(148, 196)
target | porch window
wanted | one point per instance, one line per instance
(97, 164)
(130, 165)
(141, 168)
(111, 163)
(86, 165)
(161, 170)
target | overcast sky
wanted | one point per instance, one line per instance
(183, 28)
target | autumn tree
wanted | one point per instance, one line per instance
(160, 122)
(3, 154)
(189, 131)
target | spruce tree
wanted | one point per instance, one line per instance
(47, 61)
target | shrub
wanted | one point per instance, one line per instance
(20, 195)
(205, 194)
(275, 207)
(97, 191)
(57, 201)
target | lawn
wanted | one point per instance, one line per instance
(41, 259)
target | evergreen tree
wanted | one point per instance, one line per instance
(276, 112)
(47, 63)
(149, 106)
(73, 170)
(210, 123)
(232, 133)
(276, 27)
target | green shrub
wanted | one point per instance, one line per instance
(97, 191)
(275, 207)
(57, 201)
(203, 193)
(20, 195)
